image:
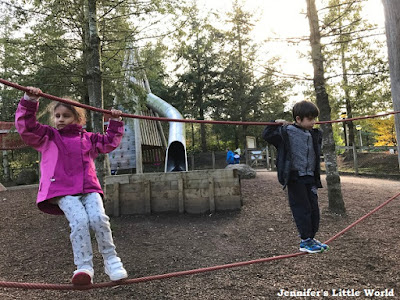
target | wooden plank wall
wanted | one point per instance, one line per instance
(193, 192)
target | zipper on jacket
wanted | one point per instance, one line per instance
(83, 165)
(308, 155)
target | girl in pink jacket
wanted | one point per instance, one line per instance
(68, 182)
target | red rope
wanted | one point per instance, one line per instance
(104, 111)
(48, 286)
(141, 279)
(362, 218)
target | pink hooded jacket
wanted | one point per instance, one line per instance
(67, 164)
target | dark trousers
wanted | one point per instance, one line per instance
(303, 201)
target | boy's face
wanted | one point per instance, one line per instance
(307, 123)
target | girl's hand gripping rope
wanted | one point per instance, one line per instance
(32, 93)
(116, 114)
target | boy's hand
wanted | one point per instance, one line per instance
(283, 122)
(116, 114)
(32, 93)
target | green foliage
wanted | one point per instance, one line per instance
(197, 55)
(356, 62)
(20, 160)
(218, 73)
(248, 96)
(384, 130)
(51, 51)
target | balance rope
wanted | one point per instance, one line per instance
(47, 286)
(179, 273)
(162, 119)
(188, 272)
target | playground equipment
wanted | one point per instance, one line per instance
(175, 190)
(145, 138)
(192, 192)
(176, 157)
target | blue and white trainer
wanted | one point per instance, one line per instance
(325, 246)
(310, 246)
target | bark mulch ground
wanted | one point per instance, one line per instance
(35, 248)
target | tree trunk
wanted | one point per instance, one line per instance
(94, 83)
(335, 198)
(200, 101)
(6, 167)
(85, 43)
(203, 132)
(392, 21)
(193, 136)
(346, 84)
(237, 133)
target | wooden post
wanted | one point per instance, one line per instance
(272, 159)
(355, 159)
(192, 162)
(213, 159)
(138, 146)
(116, 206)
(6, 166)
(147, 196)
(267, 157)
(181, 200)
(211, 194)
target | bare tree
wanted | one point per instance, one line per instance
(335, 198)
(95, 82)
(392, 19)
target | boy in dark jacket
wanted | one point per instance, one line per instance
(298, 163)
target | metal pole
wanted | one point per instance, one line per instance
(355, 159)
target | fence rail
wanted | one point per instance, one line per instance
(265, 157)
(12, 161)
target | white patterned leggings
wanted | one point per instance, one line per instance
(85, 212)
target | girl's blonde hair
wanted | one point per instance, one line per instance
(78, 112)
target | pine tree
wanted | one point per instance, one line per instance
(247, 95)
(355, 62)
(198, 57)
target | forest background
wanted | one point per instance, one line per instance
(205, 62)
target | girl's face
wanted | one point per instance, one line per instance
(63, 117)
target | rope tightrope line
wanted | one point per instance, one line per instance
(104, 111)
(48, 286)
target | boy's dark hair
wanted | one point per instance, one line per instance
(305, 109)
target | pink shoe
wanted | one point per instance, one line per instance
(82, 277)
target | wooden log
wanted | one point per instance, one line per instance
(115, 200)
(147, 196)
(211, 194)
(195, 192)
(181, 199)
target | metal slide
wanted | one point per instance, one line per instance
(175, 157)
